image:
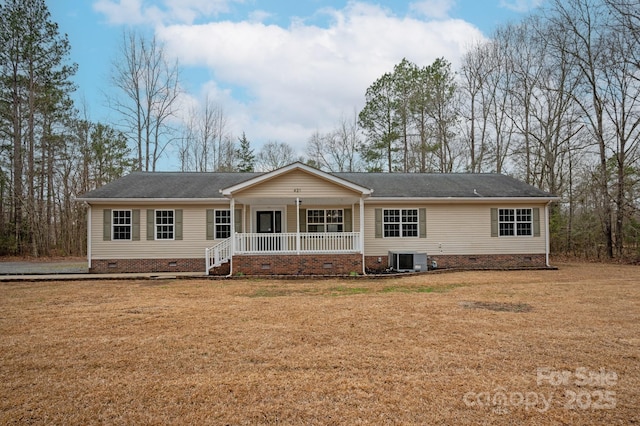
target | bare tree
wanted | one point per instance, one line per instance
(488, 87)
(501, 104)
(627, 20)
(586, 43)
(545, 114)
(274, 155)
(476, 66)
(622, 110)
(206, 144)
(337, 150)
(149, 86)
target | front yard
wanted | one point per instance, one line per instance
(535, 347)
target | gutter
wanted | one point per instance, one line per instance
(449, 200)
(153, 200)
(547, 233)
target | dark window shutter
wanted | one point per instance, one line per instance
(135, 225)
(237, 217)
(177, 219)
(422, 218)
(378, 223)
(210, 224)
(536, 222)
(494, 222)
(150, 224)
(303, 220)
(348, 220)
(106, 224)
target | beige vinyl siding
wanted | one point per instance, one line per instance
(296, 184)
(455, 229)
(291, 220)
(192, 245)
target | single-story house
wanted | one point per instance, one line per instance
(303, 221)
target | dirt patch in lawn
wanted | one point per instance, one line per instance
(498, 306)
(394, 351)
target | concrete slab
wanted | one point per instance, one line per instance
(35, 268)
(63, 270)
(93, 277)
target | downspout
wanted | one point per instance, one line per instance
(546, 234)
(297, 225)
(89, 237)
(364, 269)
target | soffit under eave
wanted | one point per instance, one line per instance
(305, 201)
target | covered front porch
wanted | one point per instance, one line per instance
(293, 211)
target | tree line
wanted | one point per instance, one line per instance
(552, 100)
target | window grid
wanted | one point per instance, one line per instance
(121, 222)
(222, 224)
(400, 222)
(329, 220)
(164, 224)
(512, 222)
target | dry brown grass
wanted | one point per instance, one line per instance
(392, 351)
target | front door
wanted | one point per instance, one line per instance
(269, 222)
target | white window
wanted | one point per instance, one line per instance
(330, 220)
(515, 222)
(400, 222)
(222, 223)
(121, 224)
(165, 224)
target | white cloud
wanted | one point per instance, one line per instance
(436, 9)
(296, 80)
(521, 6)
(121, 11)
(135, 12)
(259, 16)
(189, 10)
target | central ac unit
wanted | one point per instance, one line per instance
(407, 261)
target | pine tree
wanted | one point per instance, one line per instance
(34, 98)
(245, 159)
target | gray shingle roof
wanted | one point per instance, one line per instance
(442, 185)
(191, 185)
(144, 185)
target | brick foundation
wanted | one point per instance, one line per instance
(481, 261)
(320, 264)
(304, 264)
(373, 266)
(105, 266)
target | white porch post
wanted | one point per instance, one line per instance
(232, 207)
(297, 225)
(89, 237)
(361, 242)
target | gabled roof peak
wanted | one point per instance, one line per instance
(330, 177)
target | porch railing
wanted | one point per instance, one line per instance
(284, 243)
(304, 242)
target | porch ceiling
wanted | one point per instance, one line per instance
(304, 201)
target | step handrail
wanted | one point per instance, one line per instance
(218, 254)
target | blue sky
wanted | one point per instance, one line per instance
(279, 69)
